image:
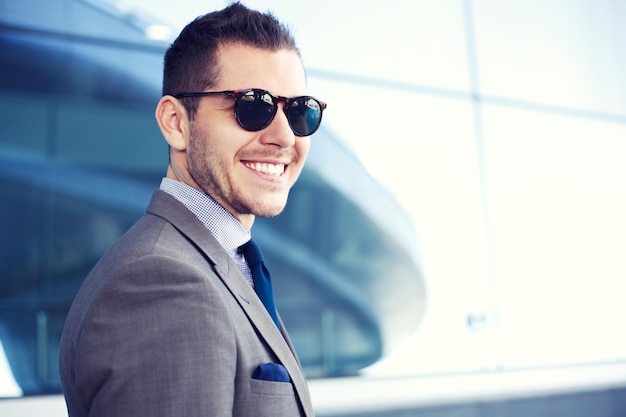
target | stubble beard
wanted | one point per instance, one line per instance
(206, 169)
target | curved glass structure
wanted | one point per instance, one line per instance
(80, 154)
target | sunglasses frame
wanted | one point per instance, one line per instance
(238, 94)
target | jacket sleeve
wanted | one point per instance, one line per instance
(157, 342)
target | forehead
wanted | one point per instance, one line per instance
(241, 66)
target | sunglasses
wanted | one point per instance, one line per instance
(255, 109)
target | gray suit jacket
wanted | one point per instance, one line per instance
(166, 325)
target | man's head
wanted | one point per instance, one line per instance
(191, 62)
(248, 171)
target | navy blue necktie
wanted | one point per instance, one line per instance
(260, 277)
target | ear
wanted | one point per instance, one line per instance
(173, 121)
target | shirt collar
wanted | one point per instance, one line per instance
(225, 227)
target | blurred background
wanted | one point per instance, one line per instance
(456, 243)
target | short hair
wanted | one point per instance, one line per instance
(190, 63)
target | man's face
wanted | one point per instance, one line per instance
(248, 173)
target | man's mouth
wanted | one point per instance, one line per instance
(275, 170)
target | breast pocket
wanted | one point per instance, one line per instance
(272, 399)
(260, 387)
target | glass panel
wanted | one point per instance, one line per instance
(423, 149)
(556, 187)
(557, 53)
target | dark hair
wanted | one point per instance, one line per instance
(190, 63)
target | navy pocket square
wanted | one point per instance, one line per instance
(271, 372)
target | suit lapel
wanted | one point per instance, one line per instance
(167, 207)
(277, 341)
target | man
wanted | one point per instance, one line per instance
(168, 322)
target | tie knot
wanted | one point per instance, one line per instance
(252, 252)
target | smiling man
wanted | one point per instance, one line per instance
(177, 318)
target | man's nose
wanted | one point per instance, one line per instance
(279, 132)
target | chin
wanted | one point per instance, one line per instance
(269, 210)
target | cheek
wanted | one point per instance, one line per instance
(218, 144)
(302, 148)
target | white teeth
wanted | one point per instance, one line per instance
(269, 169)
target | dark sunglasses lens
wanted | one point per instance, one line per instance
(255, 110)
(304, 115)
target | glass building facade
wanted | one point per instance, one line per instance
(461, 215)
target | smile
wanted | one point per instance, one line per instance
(274, 170)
